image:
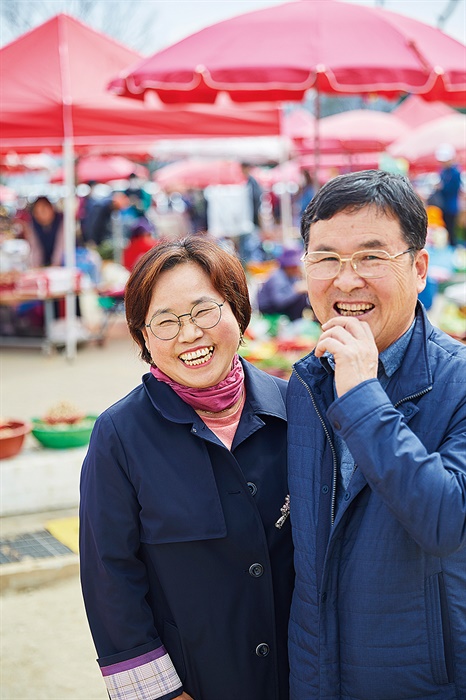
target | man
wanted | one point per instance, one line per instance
(249, 242)
(284, 292)
(376, 425)
(449, 189)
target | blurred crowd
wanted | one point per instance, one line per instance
(115, 227)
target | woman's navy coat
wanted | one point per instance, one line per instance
(178, 540)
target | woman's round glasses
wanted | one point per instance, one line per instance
(204, 314)
(369, 264)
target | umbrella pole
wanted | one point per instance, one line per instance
(286, 210)
(69, 224)
(317, 138)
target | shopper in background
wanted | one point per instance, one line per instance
(449, 189)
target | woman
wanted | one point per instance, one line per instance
(186, 578)
(44, 234)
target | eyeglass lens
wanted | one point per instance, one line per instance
(367, 263)
(205, 315)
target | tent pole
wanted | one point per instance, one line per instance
(69, 224)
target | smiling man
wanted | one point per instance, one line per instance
(377, 460)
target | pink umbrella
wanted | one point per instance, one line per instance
(103, 169)
(357, 131)
(198, 174)
(419, 146)
(289, 171)
(299, 125)
(279, 52)
(414, 111)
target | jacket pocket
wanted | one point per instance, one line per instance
(172, 643)
(438, 630)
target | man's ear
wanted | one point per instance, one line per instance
(421, 263)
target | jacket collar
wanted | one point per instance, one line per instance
(262, 395)
(413, 376)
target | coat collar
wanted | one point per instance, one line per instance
(262, 395)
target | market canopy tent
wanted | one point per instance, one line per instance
(280, 52)
(53, 96)
(53, 86)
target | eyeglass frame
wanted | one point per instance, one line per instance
(350, 260)
(180, 324)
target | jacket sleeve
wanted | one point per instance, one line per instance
(426, 492)
(133, 661)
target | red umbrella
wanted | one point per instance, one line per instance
(279, 52)
(103, 169)
(357, 131)
(420, 145)
(198, 174)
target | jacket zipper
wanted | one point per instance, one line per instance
(413, 396)
(335, 465)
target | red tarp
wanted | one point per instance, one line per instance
(53, 85)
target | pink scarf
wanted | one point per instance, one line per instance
(211, 398)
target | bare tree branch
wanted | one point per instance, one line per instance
(131, 23)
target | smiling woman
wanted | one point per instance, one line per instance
(186, 578)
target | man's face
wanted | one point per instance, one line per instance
(387, 304)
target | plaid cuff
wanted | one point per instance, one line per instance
(146, 677)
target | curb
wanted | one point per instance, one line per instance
(31, 573)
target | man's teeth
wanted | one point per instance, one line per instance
(198, 357)
(353, 309)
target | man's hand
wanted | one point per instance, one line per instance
(352, 344)
(184, 696)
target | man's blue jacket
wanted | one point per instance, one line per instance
(379, 608)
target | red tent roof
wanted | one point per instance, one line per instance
(53, 85)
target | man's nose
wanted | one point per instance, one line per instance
(348, 278)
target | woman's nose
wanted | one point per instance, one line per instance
(189, 329)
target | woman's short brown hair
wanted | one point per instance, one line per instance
(224, 269)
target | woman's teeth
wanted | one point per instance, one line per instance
(353, 309)
(198, 357)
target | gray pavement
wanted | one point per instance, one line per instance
(31, 383)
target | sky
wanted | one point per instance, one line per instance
(180, 18)
(172, 20)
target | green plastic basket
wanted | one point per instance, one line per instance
(62, 437)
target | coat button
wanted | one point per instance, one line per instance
(347, 496)
(256, 570)
(325, 488)
(252, 487)
(336, 425)
(262, 649)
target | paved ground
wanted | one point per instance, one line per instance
(46, 649)
(32, 382)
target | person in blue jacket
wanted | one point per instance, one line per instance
(186, 552)
(377, 460)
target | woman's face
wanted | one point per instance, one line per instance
(43, 213)
(196, 357)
